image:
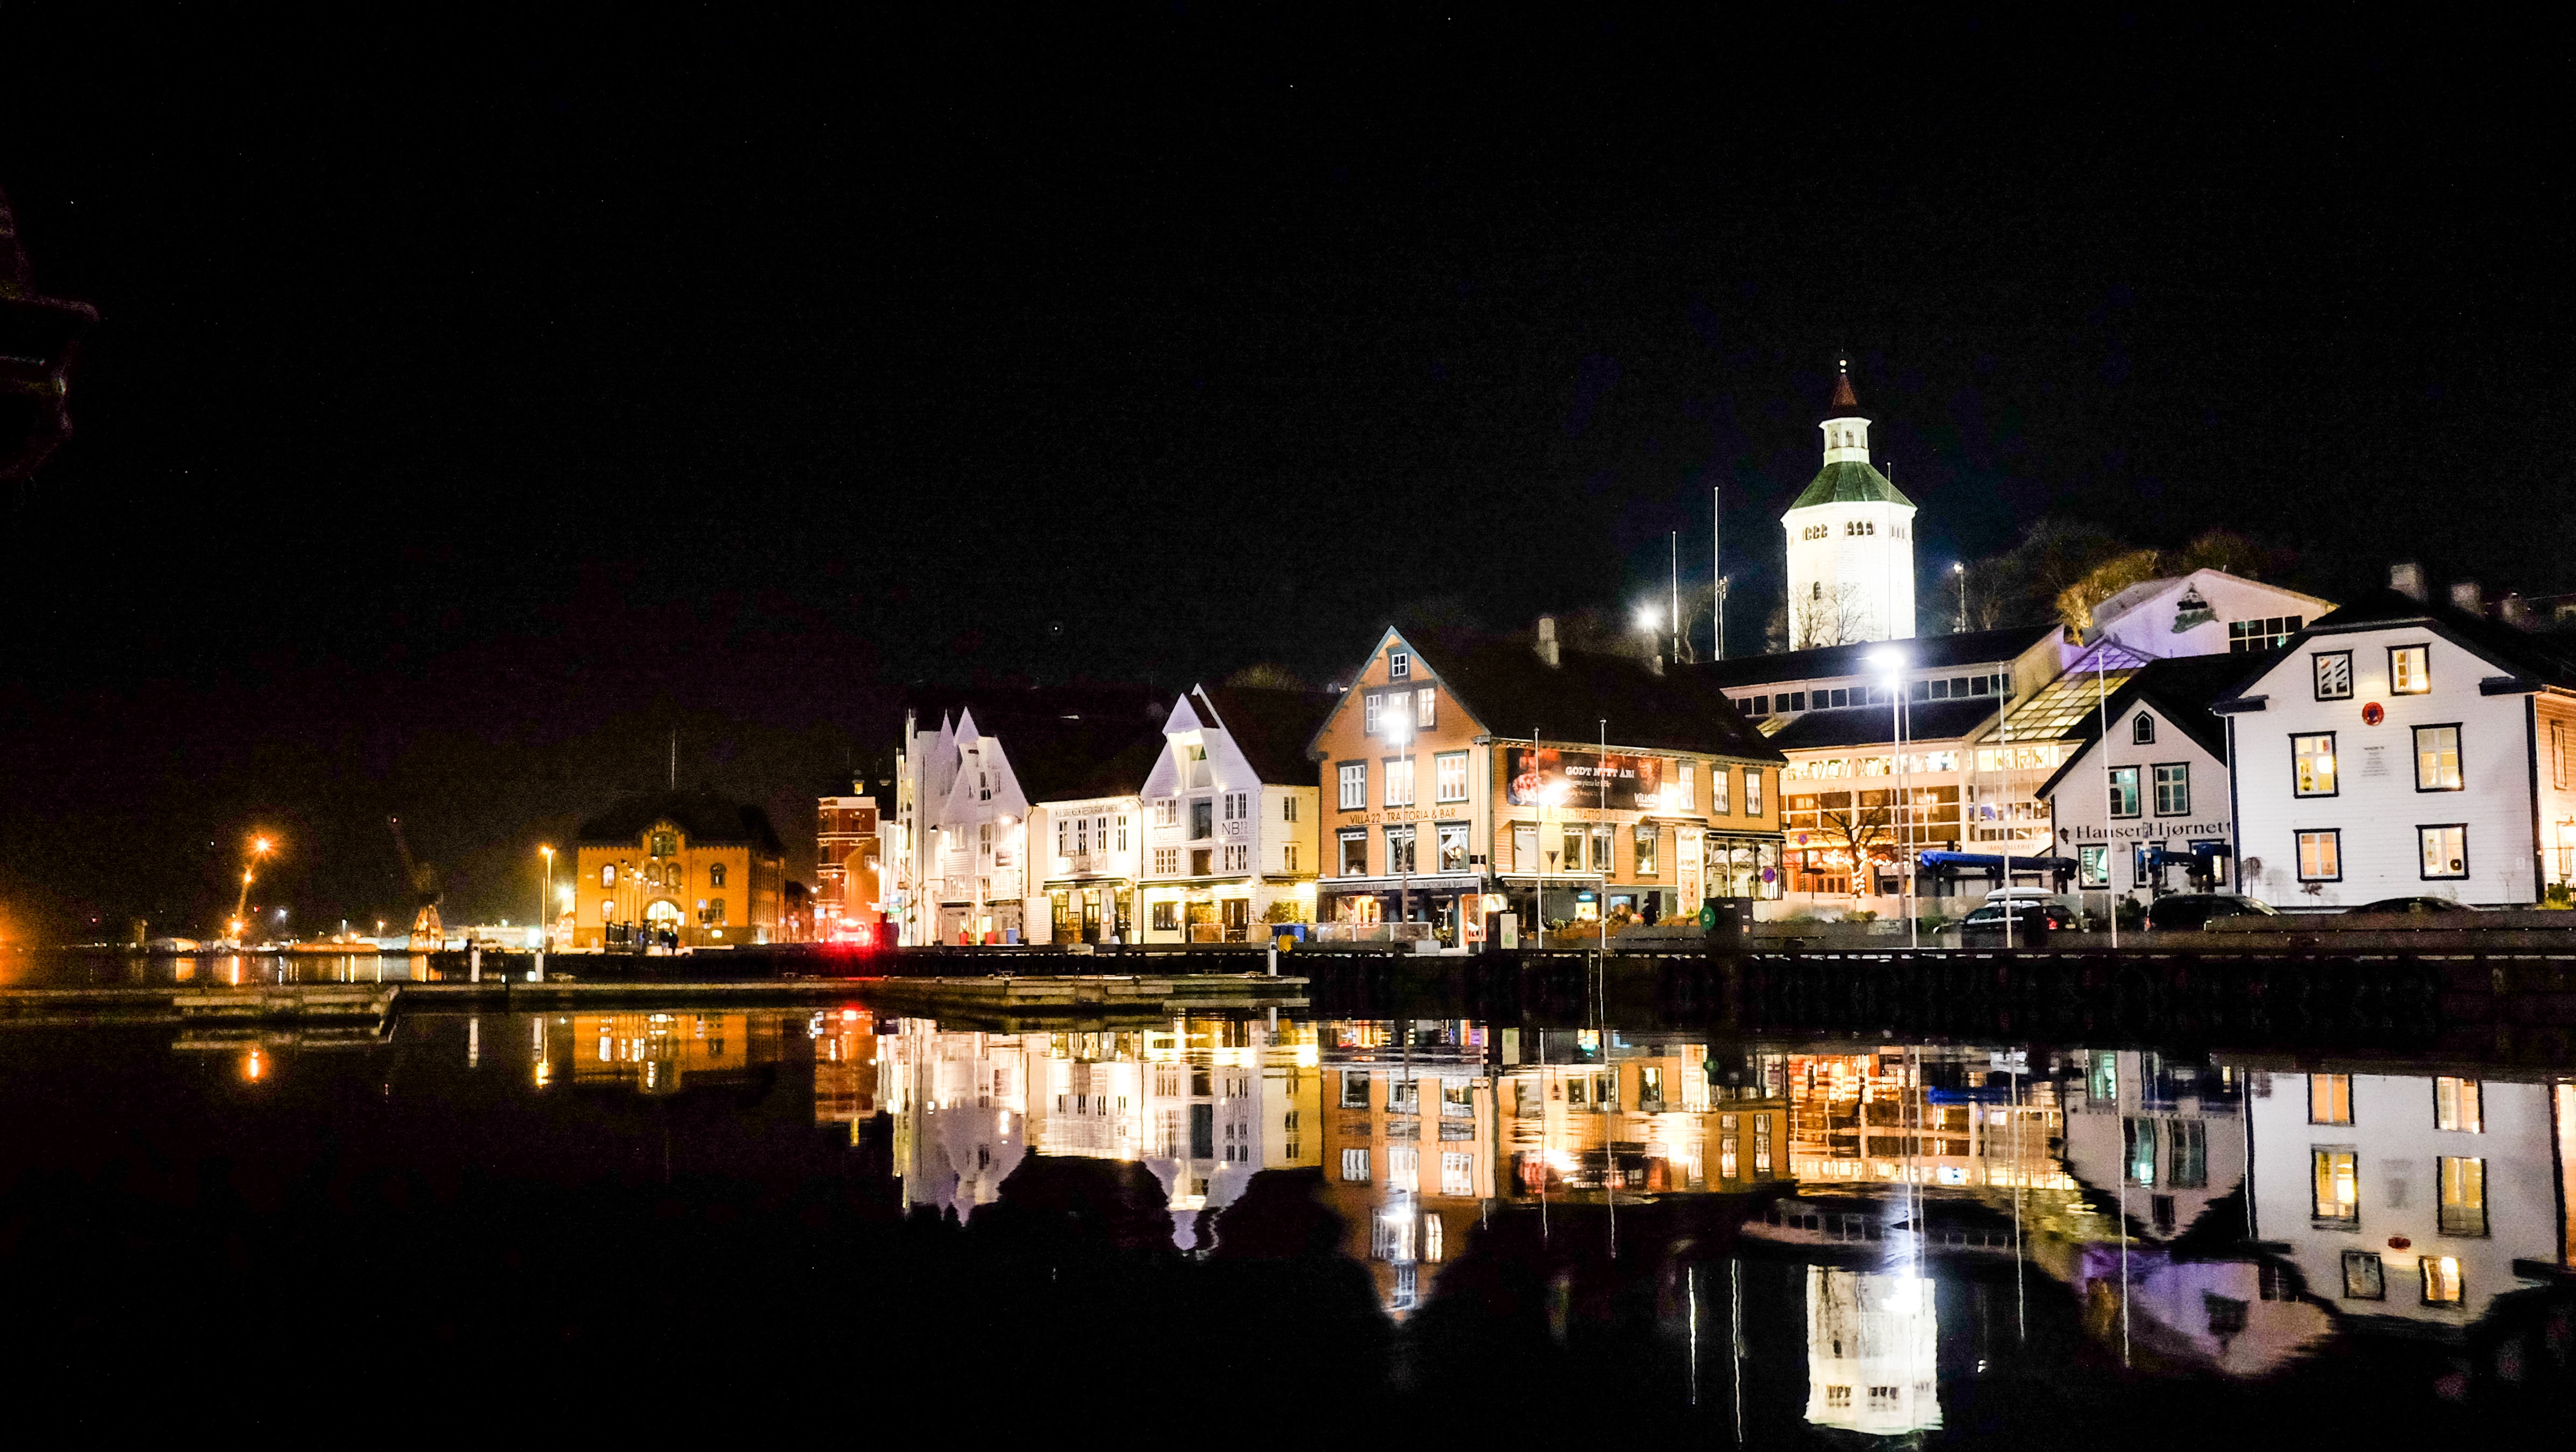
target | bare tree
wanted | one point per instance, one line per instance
(1832, 615)
(1861, 825)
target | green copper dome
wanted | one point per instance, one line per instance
(1850, 483)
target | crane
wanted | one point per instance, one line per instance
(428, 935)
(259, 848)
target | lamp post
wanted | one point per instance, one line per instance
(259, 848)
(1959, 572)
(545, 924)
(1399, 727)
(1891, 665)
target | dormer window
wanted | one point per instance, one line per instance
(1399, 665)
(2143, 729)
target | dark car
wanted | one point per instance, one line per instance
(2031, 923)
(2186, 912)
(2411, 905)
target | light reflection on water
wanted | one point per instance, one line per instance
(1840, 1236)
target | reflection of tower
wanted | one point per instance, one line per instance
(1851, 543)
(1870, 1338)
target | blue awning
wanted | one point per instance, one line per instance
(1992, 862)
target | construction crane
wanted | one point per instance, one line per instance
(428, 935)
(259, 848)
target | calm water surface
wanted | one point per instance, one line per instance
(831, 1221)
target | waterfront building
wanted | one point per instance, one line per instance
(2164, 1137)
(1471, 775)
(710, 871)
(1087, 833)
(1231, 816)
(1850, 542)
(1406, 1141)
(847, 895)
(2396, 748)
(2149, 811)
(2411, 1200)
(957, 839)
(1644, 1117)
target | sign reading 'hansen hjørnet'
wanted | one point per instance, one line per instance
(1556, 778)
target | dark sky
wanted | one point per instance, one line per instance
(477, 402)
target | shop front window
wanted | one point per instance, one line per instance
(1453, 847)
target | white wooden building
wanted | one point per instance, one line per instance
(2401, 749)
(1230, 808)
(2148, 812)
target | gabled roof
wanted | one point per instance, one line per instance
(1511, 692)
(2181, 690)
(2540, 660)
(706, 819)
(1066, 758)
(1849, 481)
(1928, 652)
(1270, 727)
(1875, 725)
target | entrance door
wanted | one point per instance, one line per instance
(1236, 912)
(1091, 915)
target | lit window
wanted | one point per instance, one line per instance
(2441, 1280)
(2124, 791)
(2409, 672)
(1424, 711)
(1456, 1174)
(2338, 1190)
(2334, 675)
(1753, 791)
(2446, 850)
(1431, 1235)
(1649, 837)
(2464, 1195)
(1354, 786)
(1167, 811)
(1450, 782)
(1368, 714)
(1399, 781)
(1403, 1167)
(2437, 758)
(2313, 758)
(1399, 849)
(608, 876)
(2458, 1105)
(2329, 1099)
(2321, 856)
(1355, 1166)
(1355, 854)
(2173, 790)
(1453, 846)
(1718, 777)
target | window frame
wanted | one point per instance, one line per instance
(2443, 1207)
(2320, 1166)
(1649, 836)
(1426, 707)
(1343, 781)
(1720, 777)
(2334, 753)
(2111, 783)
(2425, 688)
(2316, 674)
(2334, 835)
(1441, 832)
(2099, 852)
(1399, 665)
(1346, 837)
(1390, 775)
(2377, 1278)
(2313, 1081)
(2183, 767)
(2465, 869)
(1441, 763)
(2142, 729)
(1404, 831)
(2468, 1105)
(2459, 756)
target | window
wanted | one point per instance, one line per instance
(1167, 861)
(2338, 1189)
(1288, 807)
(1424, 707)
(1354, 786)
(1399, 665)
(2143, 729)
(608, 876)
(1200, 865)
(2446, 850)
(2138, 1150)
(1355, 1166)
(1202, 819)
(2334, 674)
(1762, 1144)
(1355, 854)
(1449, 773)
(2321, 856)
(1718, 778)
(1288, 857)
(1237, 859)
(2124, 790)
(2558, 754)
(2437, 758)
(1368, 716)
(1453, 847)
(2363, 1277)
(1399, 849)
(1525, 848)
(715, 911)
(1195, 762)
(2441, 1280)
(2312, 759)
(2409, 672)
(607, 910)
(2188, 1139)
(1572, 861)
(2459, 1105)
(1167, 812)
(1403, 1167)
(1167, 917)
(1457, 1174)
(1062, 839)
(666, 844)
(2269, 633)
(1601, 859)
(1399, 781)
(1753, 791)
(2173, 790)
(2093, 865)
(1649, 837)
(1404, 1096)
(2329, 1099)
(2464, 1195)
(1122, 831)
(1685, 788)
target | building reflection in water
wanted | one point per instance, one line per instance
(1871, 1351)
(658, 1053)
(1406, 1144)
(1202, 1103)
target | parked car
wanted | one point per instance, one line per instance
(2411, 905)
(2185, 912)
(2031, 923)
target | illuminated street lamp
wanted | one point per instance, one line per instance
(1890, 664)
(259, 848)
(1399, 732)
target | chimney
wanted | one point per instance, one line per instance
(2407, 580)
(1547, 639)
(2517, 611)
(2465, 598)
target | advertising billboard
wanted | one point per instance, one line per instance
(1551, 777)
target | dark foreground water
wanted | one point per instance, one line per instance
(688, 1225)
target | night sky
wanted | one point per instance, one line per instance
(478, 401)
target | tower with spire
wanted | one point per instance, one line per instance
(1851, 541)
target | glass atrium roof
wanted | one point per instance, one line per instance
(2077, 692)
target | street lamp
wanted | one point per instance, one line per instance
(545, 895)
(1890, 664)
(1959, 572)
(259, 848)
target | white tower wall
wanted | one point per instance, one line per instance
(1850, 544)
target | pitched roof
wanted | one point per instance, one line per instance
(1849, 481)
(1843, 396)
(1928, 652)
(2181, 690)
(1071, 757)
(1271, 727)
(2542, 659)
(702, 816)
(1507, 687)
(1874, 725)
